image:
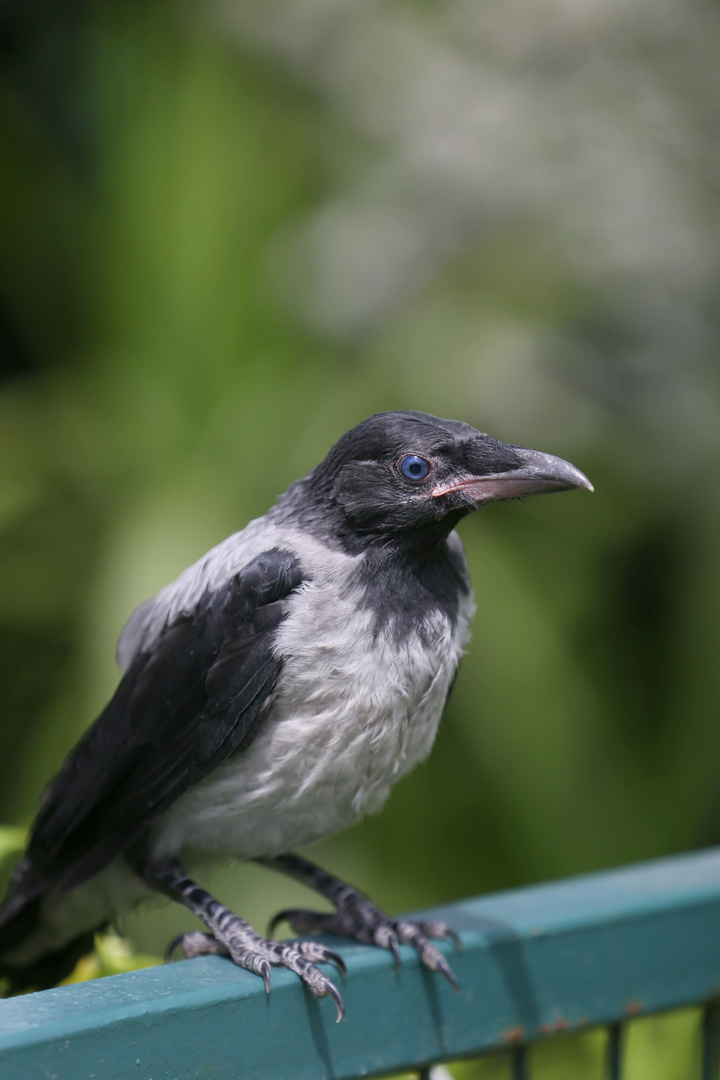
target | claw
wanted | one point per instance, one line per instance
(454, 937)
(358, 918)
(299, 920)
(331, 957)
(177, 940)
(334, 993)
(282, 916)
(441, 931)
(320, 954)
(445, 969)
(264, 971)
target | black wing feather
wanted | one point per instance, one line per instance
(180, 710)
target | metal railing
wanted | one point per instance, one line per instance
(595, 951)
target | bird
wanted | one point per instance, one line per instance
(271, 696)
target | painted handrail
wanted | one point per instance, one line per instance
(567, 956)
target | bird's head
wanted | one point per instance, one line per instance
(408, 473)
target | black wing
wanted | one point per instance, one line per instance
(196, 696)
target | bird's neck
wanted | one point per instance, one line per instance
(406, 585)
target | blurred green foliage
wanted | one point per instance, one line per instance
(228, 234)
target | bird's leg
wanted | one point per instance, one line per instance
(232, 936)
(357, 917)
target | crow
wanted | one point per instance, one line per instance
(271, 696)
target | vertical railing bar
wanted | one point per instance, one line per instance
(613, 1058)
(519, 1061)
(710, 1041)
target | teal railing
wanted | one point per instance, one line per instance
(592, 952)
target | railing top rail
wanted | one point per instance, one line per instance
(565, 956)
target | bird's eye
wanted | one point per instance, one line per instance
(414, 468)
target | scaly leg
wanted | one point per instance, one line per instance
(357, 917)
(232, 936)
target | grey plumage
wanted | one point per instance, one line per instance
(272, 695)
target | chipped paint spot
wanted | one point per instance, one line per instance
(513, 1035)
(633, 1008)
(554, 1027)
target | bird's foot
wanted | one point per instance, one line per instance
(248, 950)
(233, 937)
(357, 917)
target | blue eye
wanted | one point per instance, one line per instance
(414, 468)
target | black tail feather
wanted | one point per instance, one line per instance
(21, 915)
(48, 970)
(17, 921)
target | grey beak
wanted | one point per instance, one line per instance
(539, 474)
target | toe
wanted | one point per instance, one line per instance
(320, 954)
(411, 933)
(291, 956)
(300, 920)
(320, 986)
(441, 932)
(432, 958)
(195, 944)
(386, 937)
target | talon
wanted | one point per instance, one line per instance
(454, 937)
(394, 948)
(443, 932)
(357, 917)
(299, 920)
(264, 971)
(282, 916)
(320, 954)
(449, 974)
(331, 957)
(176, 941)
(335, 995)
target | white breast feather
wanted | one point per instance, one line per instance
(353, 712)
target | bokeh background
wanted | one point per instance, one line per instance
(229, 231)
